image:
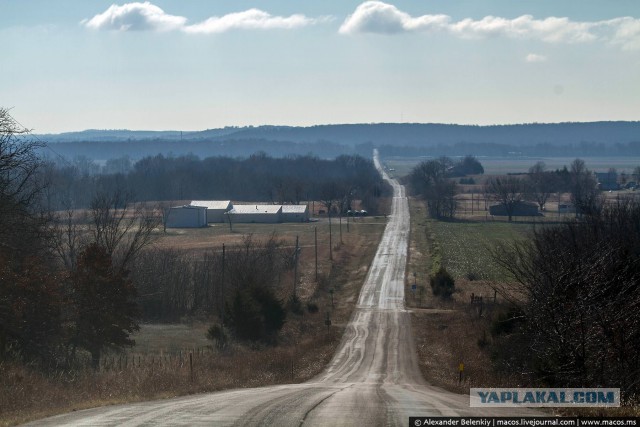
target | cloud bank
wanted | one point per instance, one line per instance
(149, 17)
(382, 18)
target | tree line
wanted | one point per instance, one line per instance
(433, 181)
(259, 178)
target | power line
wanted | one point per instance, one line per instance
(44, 143)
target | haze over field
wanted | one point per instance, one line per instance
(199, 65)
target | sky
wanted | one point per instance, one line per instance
(200, 64)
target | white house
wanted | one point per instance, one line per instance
(268, 214)
(215, 209)
(295, 213)
(187, 217)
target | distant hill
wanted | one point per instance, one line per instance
(593, 138)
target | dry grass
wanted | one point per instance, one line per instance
(158, 367)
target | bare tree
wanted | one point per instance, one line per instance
(585, 195)
(508, 191)
(429, 179)
(121, 227)
(20, 185)
(576, 287)
(540, 184)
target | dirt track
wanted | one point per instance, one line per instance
(373, 379)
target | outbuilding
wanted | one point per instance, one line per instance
(215, 209)
(295, 213)
(519, 209)
(267, 214)
(187, 217)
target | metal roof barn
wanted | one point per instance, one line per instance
(267, 214)
(295, 213)
(215, 209)
(187, 217)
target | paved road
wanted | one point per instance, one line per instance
(373, 379)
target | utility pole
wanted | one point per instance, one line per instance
(222, 290)
(315, 233)
(471, 202)
(330, 242)
(295, 269)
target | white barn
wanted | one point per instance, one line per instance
(215, 209)
(187, 217)
(268, 214)
(295, 213)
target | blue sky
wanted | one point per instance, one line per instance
(197, 64)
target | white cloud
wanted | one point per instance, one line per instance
(383, 18)
(252, 19)
(379, 17)
(135, 17)
(534, 57)
(147, 16)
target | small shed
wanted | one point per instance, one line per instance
(187, 217)
(266, 214)
(566, 208)
(295, 213)
(215, 209)
(519, 209)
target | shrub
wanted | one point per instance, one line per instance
(506, 322)
(217, 333)
(256, 314)
(442, 284)
(312, 307)
(472, 275)
(295, 305)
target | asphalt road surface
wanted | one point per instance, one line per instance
(373, 379)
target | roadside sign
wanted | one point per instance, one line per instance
(461, 367)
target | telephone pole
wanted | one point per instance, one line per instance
(315, 233)
(222, 290)
(295, 269)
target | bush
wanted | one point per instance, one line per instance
(256, 314)
(312, 307)
(442, 284)
(506, 322)
(217, 333)
(295, 305)
(472, 275)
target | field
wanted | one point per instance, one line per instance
(466, 246)
(454, 331)
(177, 359)
(502, 165)
(447, 332)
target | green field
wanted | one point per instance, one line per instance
(465, 247)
